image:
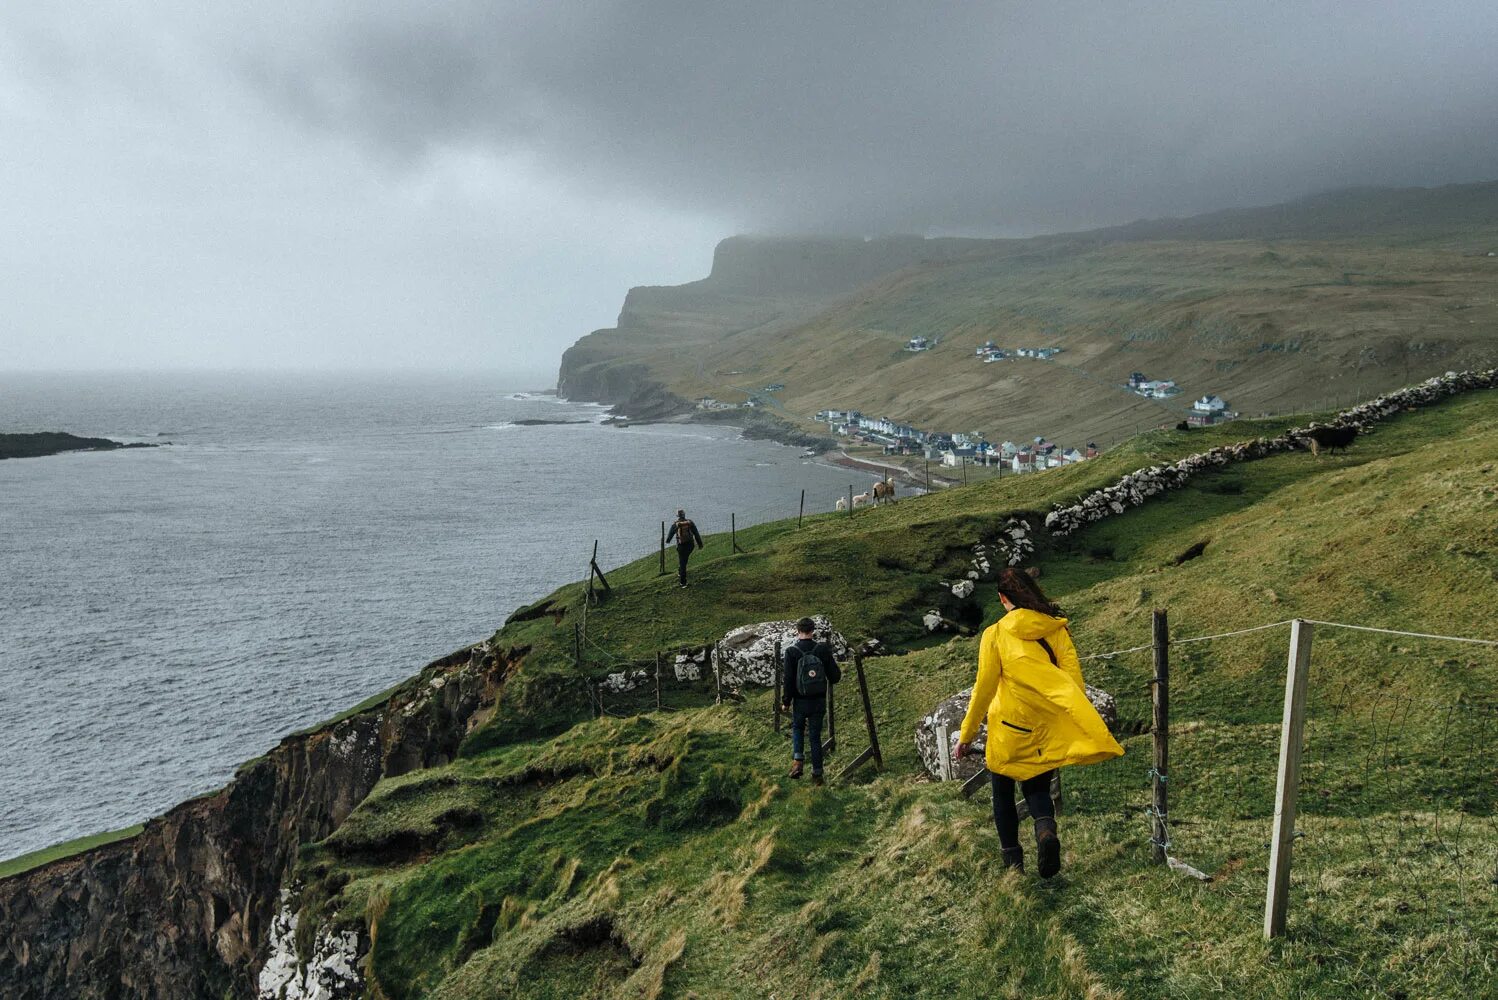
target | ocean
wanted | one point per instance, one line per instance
(304, 542)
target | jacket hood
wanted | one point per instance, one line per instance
(1031, 625)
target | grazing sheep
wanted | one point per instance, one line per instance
(1330, 438)
(884, 490)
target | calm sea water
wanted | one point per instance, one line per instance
(305, 542)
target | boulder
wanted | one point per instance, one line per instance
(748, 652)
(949, 713)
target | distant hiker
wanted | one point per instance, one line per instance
(1030, 690)
(809, 672)
(684, 531)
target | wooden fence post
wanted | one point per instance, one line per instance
(657, 681)
(663, 550)
(868, 710)
(850, 500)
(779, 670)
(801, 511)
(964, 470)
(1292, 728)
(928, 475)
(830, 744)
(1161, 732)
(716, 657)
(733, 532)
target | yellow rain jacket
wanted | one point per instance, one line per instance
(1037, 711)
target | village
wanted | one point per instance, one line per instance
(952, 451)
(971, 452)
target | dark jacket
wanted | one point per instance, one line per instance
(687, 535)
(793, 659)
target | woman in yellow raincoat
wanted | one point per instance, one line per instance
(1030, 692)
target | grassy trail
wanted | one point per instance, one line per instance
(665, 854)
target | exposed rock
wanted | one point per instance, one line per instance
(949, 712)
(748, 652)
(624, 680)
(963, 589)
(187, 908)
(332, 972)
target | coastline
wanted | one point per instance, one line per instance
(42, 444)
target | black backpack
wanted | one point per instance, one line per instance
(811, 676)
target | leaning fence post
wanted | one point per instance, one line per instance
(868, 710)
(1160, 834)
(1277, 897)
(801, 511)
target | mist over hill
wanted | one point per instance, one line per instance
(1306, 303)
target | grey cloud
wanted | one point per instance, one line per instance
(977, 117)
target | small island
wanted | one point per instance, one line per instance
(54, 443)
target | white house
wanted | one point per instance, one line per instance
(1071, 456)
(1023, 461)
(1210, 404)
(1158, 388)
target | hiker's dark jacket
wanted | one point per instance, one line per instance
(793, 659)
(688, 535)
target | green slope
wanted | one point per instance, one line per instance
(1304, 305)
(663, 854)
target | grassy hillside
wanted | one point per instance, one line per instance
(663, 853)
(1303, 305)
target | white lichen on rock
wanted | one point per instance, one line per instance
(748, 652)
(332, 973)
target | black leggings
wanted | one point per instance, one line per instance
(1037, 792)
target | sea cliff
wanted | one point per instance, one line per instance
(185, 908)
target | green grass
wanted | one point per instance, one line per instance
(57, 852)
(665, 855)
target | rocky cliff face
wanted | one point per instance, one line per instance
(185, 909)
(755, 283)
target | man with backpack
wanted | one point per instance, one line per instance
(809, 672)
(685, 532)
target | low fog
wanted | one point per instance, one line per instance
(476, 184)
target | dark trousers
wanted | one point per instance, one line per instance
(683, 552)
(809, 713)
(1037, 792)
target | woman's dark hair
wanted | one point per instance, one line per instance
(1023, 592)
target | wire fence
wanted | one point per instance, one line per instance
(1394, 797)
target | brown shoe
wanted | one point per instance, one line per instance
(816, 779)
(1047, 847)
(795, 769)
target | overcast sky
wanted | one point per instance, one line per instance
(369, 183)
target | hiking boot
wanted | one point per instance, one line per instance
(795, 769)
(1014, 857)
(1047, 847)
(816, 779)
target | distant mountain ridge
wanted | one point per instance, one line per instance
(1277, 307)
